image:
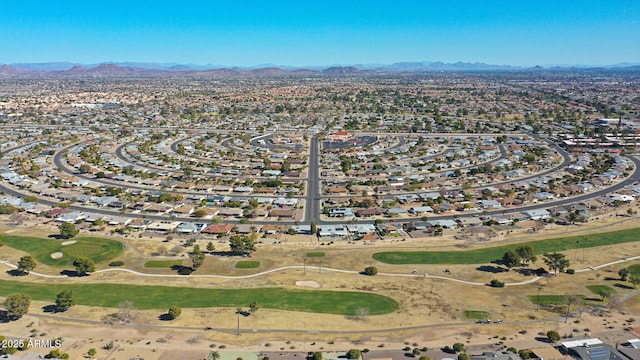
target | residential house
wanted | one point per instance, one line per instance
(218, 229)
(369, 212)
(537, 214)
(332, 230)
(341, 212)
(187, 228)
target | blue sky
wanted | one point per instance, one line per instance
(245, 33)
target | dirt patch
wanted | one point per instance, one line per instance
(312, 284)
(70, 242)
(57, 255)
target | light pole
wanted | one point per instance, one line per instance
(538, 305)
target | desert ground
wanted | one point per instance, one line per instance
(431, 311)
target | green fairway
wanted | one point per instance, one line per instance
(161, 297)
(476, 314)
(162, 263)
(99, 250)
(487, 255)
(634, 269)
(551, 299)
(315, 254)
(597, 289)
(248, 264)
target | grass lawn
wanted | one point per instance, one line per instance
(476, 314)
(596, 289)
(99, 250)
(634, 269)
(546, 300)
(315, 254)
(247, 264)
(161, 297)
(162, 263)
(487, 255)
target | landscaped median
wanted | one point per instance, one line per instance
(162, 297)
(487, 255)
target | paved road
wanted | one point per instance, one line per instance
(312, 199)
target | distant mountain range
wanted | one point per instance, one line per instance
(133, 69)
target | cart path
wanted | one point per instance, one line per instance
(314, 268)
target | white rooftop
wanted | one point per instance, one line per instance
(583, 342)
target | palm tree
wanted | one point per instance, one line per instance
(214, 355)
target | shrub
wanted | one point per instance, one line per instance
(525, 354)
(458, 347)
(496, 283)
(370, 270)
(116, 263)
(353, 354)
(174, 312)
(553, 335)
(570, 271)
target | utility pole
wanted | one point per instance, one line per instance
(238, 310)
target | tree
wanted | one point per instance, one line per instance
(214, 355)
(57, 354)
(17, 305)
(623, 273)
(605, 292)
(526, 254)
(370, 270)
(510, 259)
(200, 213)
(253, 307)
(197, 257)
(26, 264)
(85, 168)
(354, 354)
(458, 347)
(210, 247)
(92, 352)
(314, 228)
(174, 312)
(84, 265)
(64, 300)
(553, 335)
(241, 245)
(68, 230)
(464, 356)
(635, 280)
(317, 355)
(556, 262)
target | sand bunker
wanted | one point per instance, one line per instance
(313, 284)
(70, 242)
(57, 255)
